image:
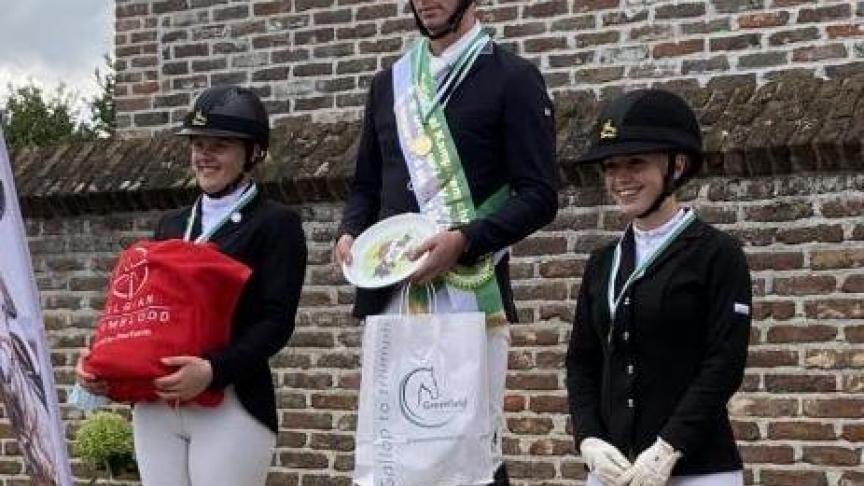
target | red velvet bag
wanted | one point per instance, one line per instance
(165, 298)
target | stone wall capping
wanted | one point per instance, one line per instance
(791, 124)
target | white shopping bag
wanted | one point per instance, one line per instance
(424, 402)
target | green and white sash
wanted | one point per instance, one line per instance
(437, 176)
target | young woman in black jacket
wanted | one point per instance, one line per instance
(230, 444)
(662, 324)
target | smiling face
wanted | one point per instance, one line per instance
(635, 181)
(216, 161)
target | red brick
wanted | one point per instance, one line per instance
(540, 245)
(303, 460)
(675, 49)
(834, 358)
(831, 259)
(766, 358)
(514, 403)
(800, 431)
(775, 260)
(775, 477)
(529, 426)
(801, 334)
(798, 383)
(548, 8)
(853, 432)
(551, 447)
(850, 30)
(764, 407)
(525, 381)
(763, 20)
(549, 404)
(831, 456)
(745, 431)
(805, 285)
(835, 309)
(767, 454)
(582, 6)
(834, 408)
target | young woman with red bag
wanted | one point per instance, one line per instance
(178, 441)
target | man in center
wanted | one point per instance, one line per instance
(461, 130)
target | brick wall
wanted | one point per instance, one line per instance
(798, 418)
(783, 173)
(313, 59)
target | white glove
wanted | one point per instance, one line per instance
(653, 466)
(603, 459)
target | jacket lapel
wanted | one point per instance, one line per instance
(684, 240)
(233, 225)
(482, 59)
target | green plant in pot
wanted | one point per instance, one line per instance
(105, 440)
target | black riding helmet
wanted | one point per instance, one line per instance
(232, 112)
(648, 121)
(452, 22)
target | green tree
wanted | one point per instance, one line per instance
(34, 117)
(102, 105)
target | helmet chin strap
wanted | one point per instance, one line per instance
(668, 187)
(452, 23)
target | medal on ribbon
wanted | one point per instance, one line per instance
(421, 146)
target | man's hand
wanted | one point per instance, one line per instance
(444, 249)
(193, 377)
(88, 381)
(653, 466)
(342, 250)
(604, 460)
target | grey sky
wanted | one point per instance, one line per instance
(54, 41)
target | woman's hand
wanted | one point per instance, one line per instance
(88, 381)
(192, 377)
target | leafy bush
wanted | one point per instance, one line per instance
(105, 439)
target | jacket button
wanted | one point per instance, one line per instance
(626, 300)
(410, 186)
(630, 369)
(629, 403)
(626, 335)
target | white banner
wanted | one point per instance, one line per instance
(26, 378)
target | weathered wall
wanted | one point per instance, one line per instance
(784, 175)
(313, 59)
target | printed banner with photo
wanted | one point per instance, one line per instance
(26, 378)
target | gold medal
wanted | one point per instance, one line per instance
(421, 146)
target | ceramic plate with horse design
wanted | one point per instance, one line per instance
(380, 254)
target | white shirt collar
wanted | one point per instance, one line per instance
(663, 229)
(213, 210)
(442, 64)
(647, 241)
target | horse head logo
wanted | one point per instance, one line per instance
(416, 389)
(428, 385)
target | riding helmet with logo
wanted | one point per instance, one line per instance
(647, 121)
(229, 111)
